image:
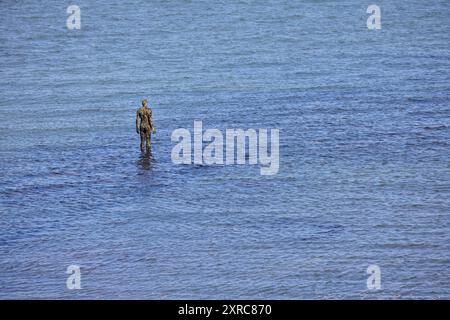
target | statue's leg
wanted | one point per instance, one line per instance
(149, 140)
(142, 139)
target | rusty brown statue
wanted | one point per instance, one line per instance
(144, 124)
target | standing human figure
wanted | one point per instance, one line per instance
(144, 124)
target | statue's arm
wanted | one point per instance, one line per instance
(152, 127)
(138, 121)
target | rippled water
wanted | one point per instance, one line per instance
(364, 155)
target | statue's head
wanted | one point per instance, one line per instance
(144, 102)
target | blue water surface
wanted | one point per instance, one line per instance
(364, 122)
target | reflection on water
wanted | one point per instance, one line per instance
(145, 160)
